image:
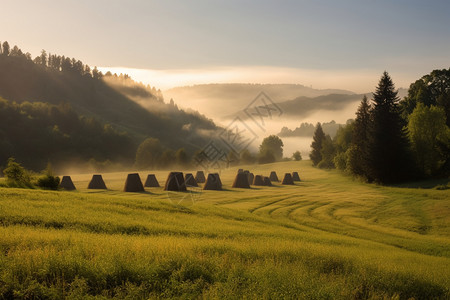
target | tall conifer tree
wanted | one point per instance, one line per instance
(316, 145)
(358, 156)
(387, 143)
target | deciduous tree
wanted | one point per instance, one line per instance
(148, 153)
(297, 155)
(426, 130)
(274, 144)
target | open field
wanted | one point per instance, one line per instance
(326, 237)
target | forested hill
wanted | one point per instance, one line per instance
(109, 100)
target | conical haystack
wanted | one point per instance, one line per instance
(258, 180)
(287, 179)
(267, 181)
(189, 180)
(97, 183)
(240, 170)
(175, 182)
(295, 176)
(133, 183)
(200, 177)
(151, 181)
(273, 176)
(250, 177)
(241, 181)
(213, 182)
(67, 184)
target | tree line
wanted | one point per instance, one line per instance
(52, 61)
(393, 140)
(307, 129)
(151, 154)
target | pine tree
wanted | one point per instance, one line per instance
(358, 155)
(6, 48)
(389, 159)
(316, 145)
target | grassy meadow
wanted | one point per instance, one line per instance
(327, 237)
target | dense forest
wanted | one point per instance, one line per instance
(39, 132)
(393, 139)
(58, 109)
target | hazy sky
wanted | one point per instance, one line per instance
(331, 43)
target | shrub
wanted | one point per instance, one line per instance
(247, 157)
(16, 175)
(47, 180)
(266, 156)
(297, 155)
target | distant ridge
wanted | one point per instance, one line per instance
(302, 107)
(222, 99)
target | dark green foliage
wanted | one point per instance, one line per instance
(266, 156)
(428, 133)
(342, 142)
(327, 152)
(341, 160)
(358, 154)
(247, 157)
(431, 89)
(148, 154)
(316, 145)
(38, 132)
(389, 157)
(16, 175)
(297, 156)
(380, 145)
(48, 180)
(274, 144)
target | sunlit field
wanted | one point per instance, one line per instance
(328, 236)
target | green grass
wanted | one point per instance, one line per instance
(327, 237)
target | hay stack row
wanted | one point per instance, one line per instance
(177, 182)
(245, 178)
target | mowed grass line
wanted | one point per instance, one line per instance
(326, 237)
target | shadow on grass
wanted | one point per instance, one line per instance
(439, 184)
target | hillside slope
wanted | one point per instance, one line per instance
(22, 79)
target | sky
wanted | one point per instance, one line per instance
(322, 43)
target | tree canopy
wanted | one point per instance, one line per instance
(427, 132)
(272, 144)
(431, 89)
